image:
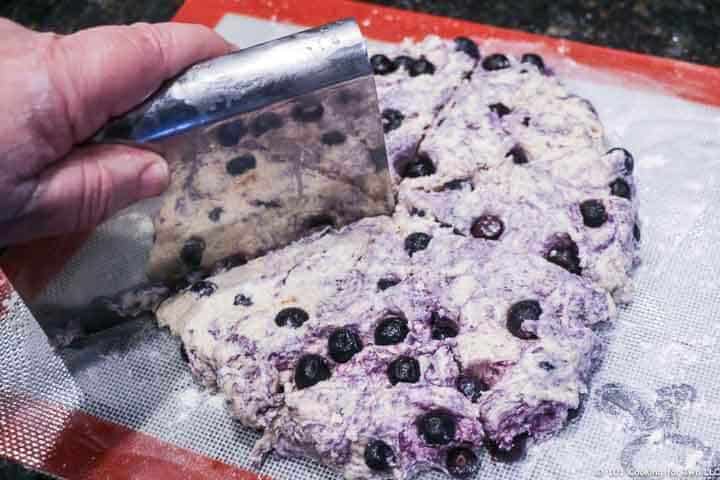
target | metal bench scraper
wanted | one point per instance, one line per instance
(265, 145)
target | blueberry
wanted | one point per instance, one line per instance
(442, 327)
(243, 300)
(215, 213)
(265, 203)
(307, 112)
(462, 462)
(518, 155)
(534, 59)
(343, 343)
(179, 285)
(230, 134)
(547, 366)
(572, 414)
(629, 160)
(239, 165)
(489, 227)
(496, 61)
(416, 241)
(520, 312)
(203, 288)
(636, 232)
(192, 252)
(469, 47)
(293, 316)
(382, 65)
(421, 66)
(333, 137)
(593, 213)
(403, 369)
(319, 221)
(437, 427)
(420, 166)
(391, 119)
(229, 262)
(346, 97)
(471, 386)
(378, 158)
(515, 453)
(379, 456)
(499, 109)
(391, 331)
(385, 283)
(620, 188)
(456, 184)
(563, 251)
(265, 122)
(404, 62)
(310, 370)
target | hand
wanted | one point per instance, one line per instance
(55, 92)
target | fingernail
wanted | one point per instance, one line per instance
(155, 179)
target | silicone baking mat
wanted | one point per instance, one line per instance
(119, 403)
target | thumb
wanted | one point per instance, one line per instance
(86, 188)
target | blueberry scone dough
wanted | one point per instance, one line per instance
(377, 352)
(588, 230)
(460, 325)
(414, 83)
(516, 149)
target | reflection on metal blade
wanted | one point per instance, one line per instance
(265, 145)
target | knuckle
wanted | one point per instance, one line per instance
(96, 195)
(50, 96)
(152, 43)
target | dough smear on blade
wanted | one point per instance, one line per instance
(461, 324)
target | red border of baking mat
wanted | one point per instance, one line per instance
(5, 293)
(89, 448)
(92, 448)
(690, 81)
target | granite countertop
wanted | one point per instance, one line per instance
(683, 29)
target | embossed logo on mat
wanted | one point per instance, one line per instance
(657, 449)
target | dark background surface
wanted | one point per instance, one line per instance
(683, 29)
